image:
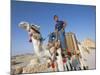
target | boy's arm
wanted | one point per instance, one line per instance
(64, 24)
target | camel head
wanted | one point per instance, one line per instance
(31, 28)
(27, 26)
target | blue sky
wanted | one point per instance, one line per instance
(80, 19)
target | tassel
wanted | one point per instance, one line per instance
(30, 40)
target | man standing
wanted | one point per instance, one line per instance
(60, 32)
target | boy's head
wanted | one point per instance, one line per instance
(55, 17)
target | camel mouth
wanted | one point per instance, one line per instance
(24, 25)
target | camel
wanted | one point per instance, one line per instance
(35, 38)
(56, 55)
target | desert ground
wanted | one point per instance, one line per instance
(28, 63)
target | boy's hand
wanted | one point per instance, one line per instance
(65, 24)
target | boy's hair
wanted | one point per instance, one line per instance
(55, 16)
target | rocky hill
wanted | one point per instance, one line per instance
(88, 43)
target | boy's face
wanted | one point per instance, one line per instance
(56, 18)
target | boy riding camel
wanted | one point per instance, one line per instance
(60, 32)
